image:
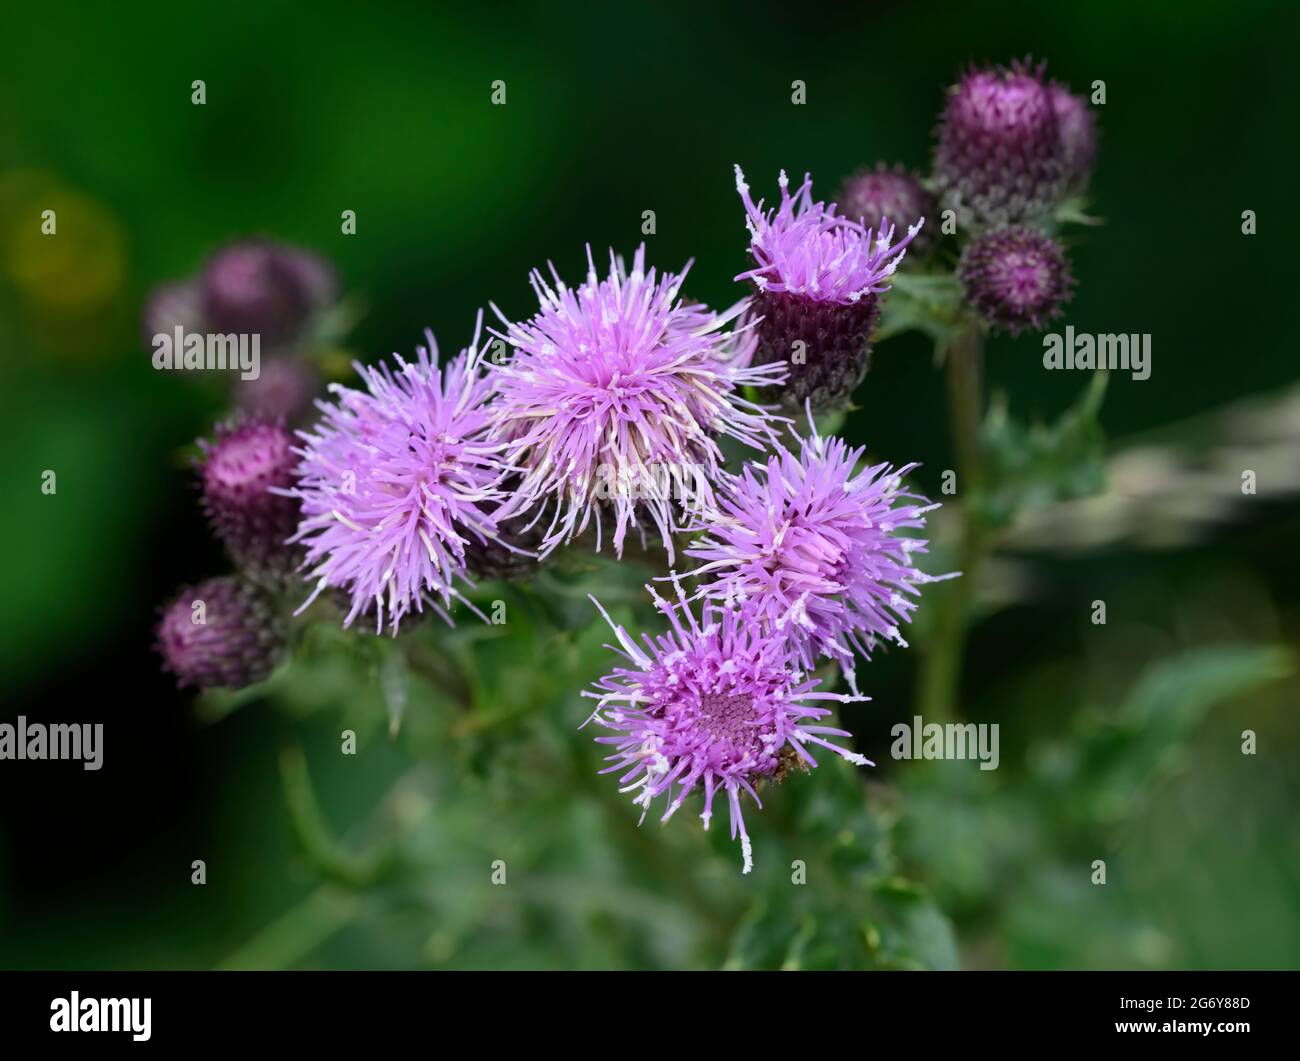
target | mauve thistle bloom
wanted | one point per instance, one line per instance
(245, 474)
(613, 397)
(1016, 278)
(237, 643)
(999, 157)
(264, 288)
(881, 195)
(715, 703)
(819, 277)
(811, 548)
(396, 481)
(1078, 129)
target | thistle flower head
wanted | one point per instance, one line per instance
(244, 474)
(717, 703)
(396, 480)
(802, 247)
(811, 548)
(1078, 131)
(879, 196)
(1016, 278)
(819, 277)
(614, 396)
(221, 633)
(999, 157)
(264, 288)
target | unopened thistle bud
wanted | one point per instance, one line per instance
(1078, 129)
(221, 633)
(882, 196)
(999, 158)
(262, 288)
(242, 469)
(283, 390)
(1016, 278)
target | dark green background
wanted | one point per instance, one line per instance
(384, 109)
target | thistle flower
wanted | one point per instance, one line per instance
(878, 196)
(716, 702)
(245, 473)
(811, 548)
(396, 480)
(1015, 278)
(819, 277)
(999, 157)
(221, 633)
(614, 396)
(263, 288)
(1078, 131)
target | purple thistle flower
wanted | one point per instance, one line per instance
(1016, 278)
(811, 548)
(396, 481)
(999, 157)
(245, 474)
(715, 703)
(264, 288)
(878, 196)
(234, 640)
(1078, 130)
(819, 277)
(614, 395)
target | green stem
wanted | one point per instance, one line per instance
(940, 677)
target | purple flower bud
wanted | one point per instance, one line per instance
(221, 633)
(170, 306)
(262, 288)
(1016, 278)
(283, 390)
(881, 196)
(1078, 129)
(241, 468)
(819, 277)
(999, 158)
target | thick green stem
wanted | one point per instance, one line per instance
(940, 677)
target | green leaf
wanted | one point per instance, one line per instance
(1120, 752)
(1031, 465)
(924, 302)
(1074, 212)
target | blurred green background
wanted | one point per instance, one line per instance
(1119, 742)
